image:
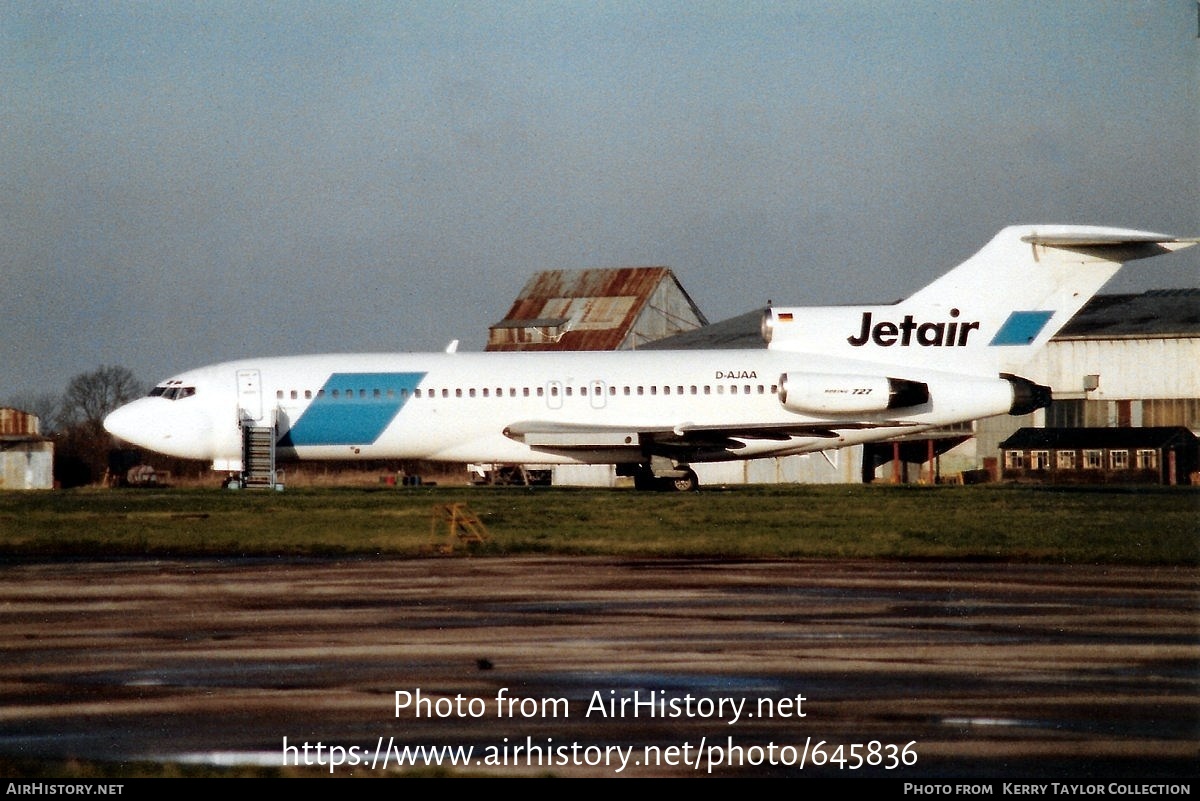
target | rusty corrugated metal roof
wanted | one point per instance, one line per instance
(583, 309)
(19, 424)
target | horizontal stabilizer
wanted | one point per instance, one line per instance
(1082, 236)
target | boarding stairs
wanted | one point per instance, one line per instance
(258, 456)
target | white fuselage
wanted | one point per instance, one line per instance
(533, 408)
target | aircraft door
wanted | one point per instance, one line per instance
(249, 395)
(554, 394)
(598, 394)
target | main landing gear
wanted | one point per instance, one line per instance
(677, 479)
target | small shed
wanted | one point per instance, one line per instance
(26, 457)
(1149, 455)
(602, 309)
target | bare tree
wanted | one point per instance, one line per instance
(91, 396)
(83, 444)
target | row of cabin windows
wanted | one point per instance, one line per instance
(553, 391)
(1093, 459)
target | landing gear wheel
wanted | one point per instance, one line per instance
(685, 483)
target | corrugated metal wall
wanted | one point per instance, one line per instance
(1128, 368)
(27, 466)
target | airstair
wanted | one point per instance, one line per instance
(258, 457)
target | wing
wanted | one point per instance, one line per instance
(551, 435)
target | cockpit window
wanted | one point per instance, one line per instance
(173, 390)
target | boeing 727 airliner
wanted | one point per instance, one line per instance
(828, 378)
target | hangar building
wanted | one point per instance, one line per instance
(605, 309)
(1124, 362)
(26, 457)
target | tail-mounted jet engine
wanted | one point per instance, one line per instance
(817, 393)
(835, 394)
(1027, 396)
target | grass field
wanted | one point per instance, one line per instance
(990, 522)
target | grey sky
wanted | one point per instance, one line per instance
(186, 183)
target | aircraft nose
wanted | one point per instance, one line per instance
(183, 430)
(122, 422)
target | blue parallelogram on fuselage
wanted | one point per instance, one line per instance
(352, 409)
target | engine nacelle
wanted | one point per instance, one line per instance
(818, 393)
(1027, 396)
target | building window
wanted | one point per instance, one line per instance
(1118, 460)
(1014, 460)
(1039, 460)
(1093, 460)
(1066, 460)
(1147, 460)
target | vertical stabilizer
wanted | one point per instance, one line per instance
(988, 315)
